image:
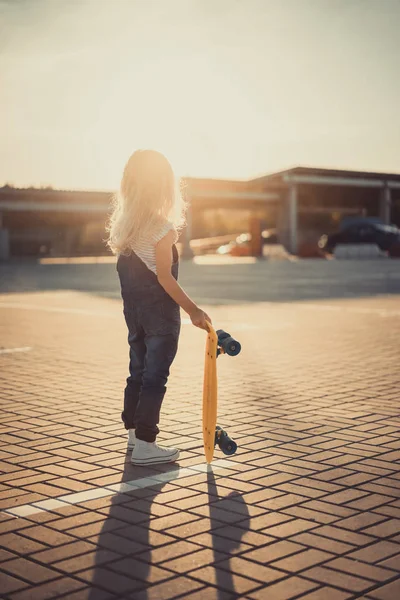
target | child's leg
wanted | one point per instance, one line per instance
(160, 353)
(137, 351)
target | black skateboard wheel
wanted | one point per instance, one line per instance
(224, 442)
(228, 344)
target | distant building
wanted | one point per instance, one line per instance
(301, 203)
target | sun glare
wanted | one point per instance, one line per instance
(226, 89)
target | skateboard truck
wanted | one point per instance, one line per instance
(226, 345)
(224, 442)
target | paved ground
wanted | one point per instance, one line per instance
(235, 281)
(308, 508)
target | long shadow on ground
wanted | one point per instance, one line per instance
(128, 575)
(128, 544)
(231, 540)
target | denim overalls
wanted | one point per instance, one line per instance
(153, 320)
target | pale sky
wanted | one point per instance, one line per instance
(225, 88)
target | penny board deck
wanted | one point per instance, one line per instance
(210, 394)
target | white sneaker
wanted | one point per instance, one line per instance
(131, 439)
(145, 453)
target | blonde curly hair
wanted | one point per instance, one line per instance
(148, 197)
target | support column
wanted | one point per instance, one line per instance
(187, 252)
(256, 237)
(4, 241)
(385, 205)
(292, 218)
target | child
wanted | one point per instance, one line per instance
(143, 231)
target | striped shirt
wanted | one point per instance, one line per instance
(145, 249)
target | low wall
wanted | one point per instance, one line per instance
(358, 251)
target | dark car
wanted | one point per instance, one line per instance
(368, 232)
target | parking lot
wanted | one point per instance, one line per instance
(308, 508)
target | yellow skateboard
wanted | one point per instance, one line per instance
(218, 342)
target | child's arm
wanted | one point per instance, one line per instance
(171, 286)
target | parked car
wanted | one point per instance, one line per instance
(238, 247)
(362, 232)
(241, 245)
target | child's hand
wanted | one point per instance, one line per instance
(199, 318)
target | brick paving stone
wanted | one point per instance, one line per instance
(322, 543)
(107, 580)
(268, 520)
(388, 528)
(219, 513)
(176, 494)
(249, 537)
(40, 533)
(140, 506)
(355, 567)
(310, 482)
(370, 502)
(11, 584)
(46, 591)
(376, 552)
(302, 560)
(191, 502)
(20, 500)
(261, 495)
(9, 492)
(391, 563)
(73, 549)
(345, 535)
(389, 511)
(309, 515)
(177, 587)
(237, 504)
(290, 528)
(71, 485)
(271, 552)
(147, 537)
(361, 521)
(337, 579)
(172, 550)
(102, 526)
(6, 555)
(12, 524)
(247, 568)
(284, 590)
(387, 592)
(275, 479)
(327, 593)
(381, 489)
(29, 570)
(136, 569)
(82, 518)
(194, 560)
(87, 560)
(87, 594)
(19, 543)
(162, 523)
(196, 527)
(119, 545)
(226, 580)
(209, 593)
(220, 544)
(130, 513)
(283, 501)
(293, 488)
